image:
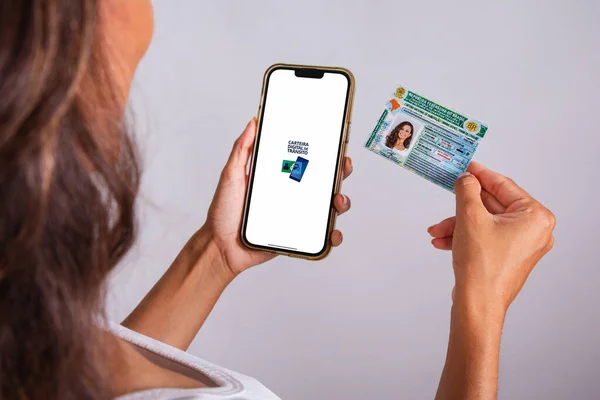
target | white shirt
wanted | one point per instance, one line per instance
(229, 385)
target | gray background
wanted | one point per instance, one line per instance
(371, 321)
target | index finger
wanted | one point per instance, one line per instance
(347, 167)
(505, 190)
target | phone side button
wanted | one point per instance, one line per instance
(348, 133)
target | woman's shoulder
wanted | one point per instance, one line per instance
(223, 383)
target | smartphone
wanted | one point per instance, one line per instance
(296, 169)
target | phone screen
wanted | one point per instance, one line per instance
(296, 158)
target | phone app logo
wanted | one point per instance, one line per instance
(296, 168)
(287, 166)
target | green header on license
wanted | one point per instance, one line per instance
(434, 108)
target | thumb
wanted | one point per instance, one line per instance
(468, 196)
(242, 148)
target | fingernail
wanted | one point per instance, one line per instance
(466, 173)
(430, 228)
(345, 199)
(351, 166)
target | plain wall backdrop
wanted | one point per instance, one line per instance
(371, 321)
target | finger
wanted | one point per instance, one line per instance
(336, 238)
(242, 148)
(504, 189)
(443, 229)
(444, 243)
(491, 203)
(468, 197)
(342, 203)
(446, 227)
(550, 244)
(347, 167)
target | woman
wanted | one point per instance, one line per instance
(399, 138)
(68, 180)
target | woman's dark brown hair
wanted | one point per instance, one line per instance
(392, 138)
(68, 180)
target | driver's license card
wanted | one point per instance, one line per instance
(425, 137)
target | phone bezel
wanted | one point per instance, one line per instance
(340, 156)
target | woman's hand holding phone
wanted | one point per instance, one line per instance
(176, 308)
(225, 213)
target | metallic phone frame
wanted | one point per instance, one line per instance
(339, 169)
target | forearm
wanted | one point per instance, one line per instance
(471, 369)
(177, 306)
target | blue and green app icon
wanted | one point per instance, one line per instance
(287, 166)
(295, 168)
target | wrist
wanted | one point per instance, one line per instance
(206, 258)
(479, 307)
